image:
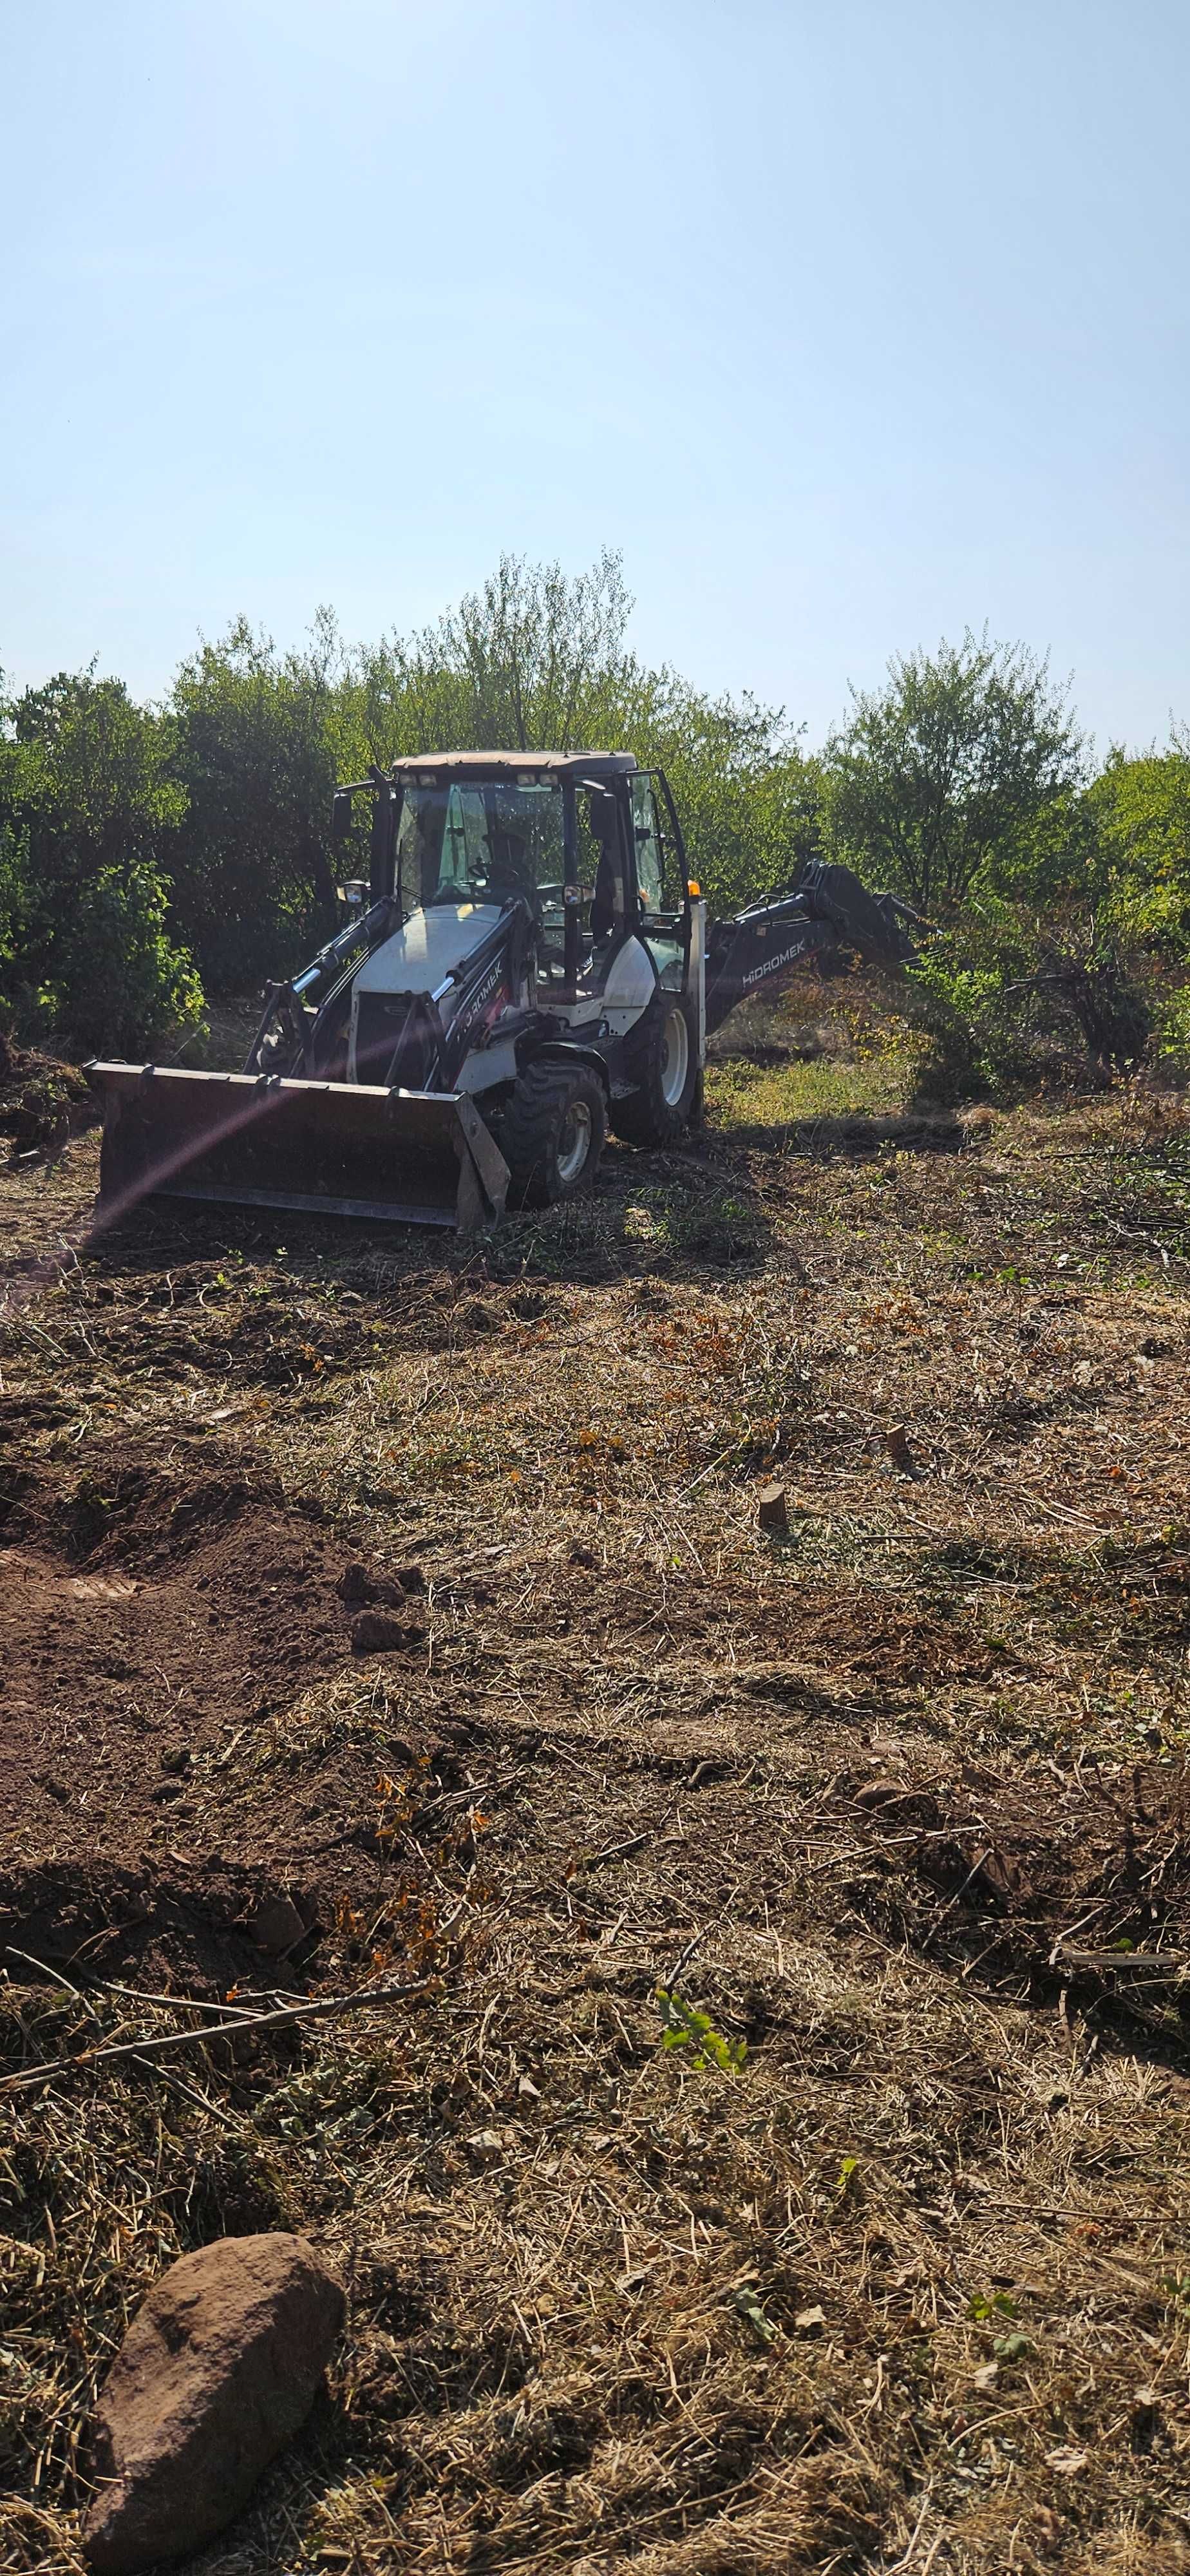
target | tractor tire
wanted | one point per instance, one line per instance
(553, 1132)
(661, 1061)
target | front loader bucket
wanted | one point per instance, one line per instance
(324, 1148)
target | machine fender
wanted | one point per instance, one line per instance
(600, 1060)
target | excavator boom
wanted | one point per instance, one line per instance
(827, 913)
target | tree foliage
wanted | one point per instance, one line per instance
(92, 776)
(941, 778)
(89, 804)
(255, 762)
(1138, 813)
(535, 660)
(120, 977)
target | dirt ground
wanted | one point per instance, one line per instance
(376, 1609)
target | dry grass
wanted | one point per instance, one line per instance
(911, 2290)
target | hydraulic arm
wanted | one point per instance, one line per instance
(762, 949)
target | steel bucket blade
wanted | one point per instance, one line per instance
(324, 1148)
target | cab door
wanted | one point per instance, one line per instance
(662, 893)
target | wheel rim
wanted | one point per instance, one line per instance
(574, 1143)
(675, 1059)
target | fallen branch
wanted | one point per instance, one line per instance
(322, 2008)
(617, 1851)
(1172, 1965)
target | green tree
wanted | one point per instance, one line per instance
(256, 736)
(1138, 812)
(750, 799)
(14, 905)
(943, 777)
(121, 978)
(535, 658)
(532, 661)
(88, 800)
(90, 775)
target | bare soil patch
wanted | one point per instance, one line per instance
(156, 1613)
(375, 1609)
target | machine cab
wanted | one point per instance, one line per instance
(591, 844)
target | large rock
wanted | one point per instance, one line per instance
(215, 2373)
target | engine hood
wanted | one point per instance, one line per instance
(428, 947)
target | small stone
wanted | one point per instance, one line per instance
(276, 1925)
(215, 2374)
(810, 2320)
(772, 1508)
(485, 2144)
(879, 1793)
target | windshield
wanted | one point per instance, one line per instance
(481, 843)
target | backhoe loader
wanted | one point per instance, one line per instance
(526, 965)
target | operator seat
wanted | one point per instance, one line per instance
(606, 912)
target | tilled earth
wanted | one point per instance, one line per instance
(372, 1610)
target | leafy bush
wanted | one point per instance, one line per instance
(1172, 1031)
(119, 980)
(86, 800)
(968, 1001)
(14, 905)
(1007, 999)
(1140, 814)
(25, 1006)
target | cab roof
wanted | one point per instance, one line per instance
(506, 764)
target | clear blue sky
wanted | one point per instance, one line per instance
(850, 322)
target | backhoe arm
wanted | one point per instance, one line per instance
(762, 949)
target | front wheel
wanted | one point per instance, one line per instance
(553, 1133)
(661, 1061)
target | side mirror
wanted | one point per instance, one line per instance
(341, 815)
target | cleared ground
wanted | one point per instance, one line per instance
(898, 1800)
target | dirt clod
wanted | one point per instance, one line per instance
(376, 1632)
(358, 1584)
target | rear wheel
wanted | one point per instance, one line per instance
(661, 1060)
(553, 1132)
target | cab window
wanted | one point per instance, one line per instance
(464, 843)
(657, 873)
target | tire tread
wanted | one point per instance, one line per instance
(530, 1124)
